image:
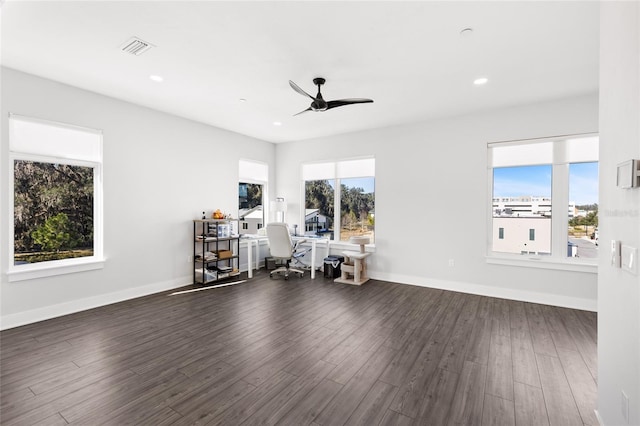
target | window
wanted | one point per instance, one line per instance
(583, 209)
(251, 195)
(521, 202)
(340, 199)
(56, 198)
(526, 218)
(319, 206)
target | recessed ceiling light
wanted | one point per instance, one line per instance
(156, 78)
(466, 32)
(277, 123)
(242, 100)
(480, 81)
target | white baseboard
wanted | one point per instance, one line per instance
(48, 312)
(483, 290)
(41, 314)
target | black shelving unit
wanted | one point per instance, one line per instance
(215, 250)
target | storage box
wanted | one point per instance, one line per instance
(332, 266)
(209, 275)
(224, 254)
(222, 230)
(270, 263)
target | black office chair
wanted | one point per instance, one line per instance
(282, 248)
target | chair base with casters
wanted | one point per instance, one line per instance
(285, 271)
(282, 248)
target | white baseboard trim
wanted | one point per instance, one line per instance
(48, 312)
(41, 314)
(483, 290)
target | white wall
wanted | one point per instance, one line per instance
(160, 172)
(618, 291)
(427, 177)
(158, 176)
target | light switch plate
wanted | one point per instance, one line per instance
(629, 258)
(615, 254)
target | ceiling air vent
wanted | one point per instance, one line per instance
(136, 46)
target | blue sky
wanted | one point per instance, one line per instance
(367, 183)
(536, 181)
(583, 183)
(364, 183)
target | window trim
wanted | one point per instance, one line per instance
(62, 266)
(255, 180)
(560, 192)
(532, 261)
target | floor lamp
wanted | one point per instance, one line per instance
(280, 208)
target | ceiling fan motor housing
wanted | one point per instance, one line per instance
(318, 104)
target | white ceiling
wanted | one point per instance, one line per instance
(407, 56)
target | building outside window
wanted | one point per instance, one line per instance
(340, 199)
(520, 213)
(56, 196)
(526, 219)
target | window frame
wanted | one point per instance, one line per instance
(264, 197)
(253, 177)
(559, 213)
(337, 193)
(61, 266)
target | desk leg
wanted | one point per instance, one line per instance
(249, 262)
(258, 255)
(313, 259)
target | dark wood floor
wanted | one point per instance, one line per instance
(303, 352)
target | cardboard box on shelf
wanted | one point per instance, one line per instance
(224, 254)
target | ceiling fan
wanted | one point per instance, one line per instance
(319, 104)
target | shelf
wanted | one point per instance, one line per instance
(214, 220)
(214, 239)
(218, 269)
(216, 260)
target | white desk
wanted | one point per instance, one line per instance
(313, 240)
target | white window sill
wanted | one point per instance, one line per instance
(343, 245)
(544, 263)
(49, 269)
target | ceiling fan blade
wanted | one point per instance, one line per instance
(299, 90)
(343, 102)
(308, 109)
